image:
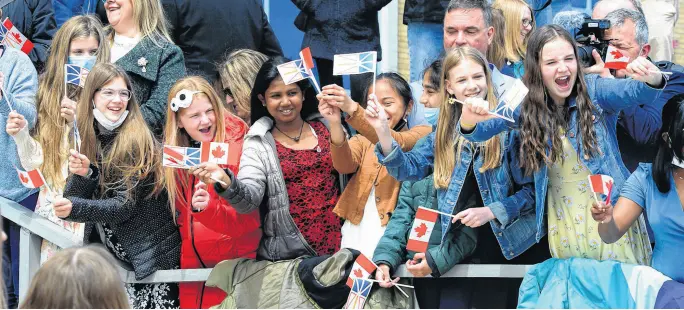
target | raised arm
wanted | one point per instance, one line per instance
(246, 191)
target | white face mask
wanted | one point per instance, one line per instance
(105, 122)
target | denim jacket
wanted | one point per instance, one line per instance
(499, 188)
(609, 97)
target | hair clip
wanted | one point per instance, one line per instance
(452, 99)
(183, 99)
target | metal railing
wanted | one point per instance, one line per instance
(35, 228)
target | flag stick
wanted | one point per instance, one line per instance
(378, 269)
(442, 213)
(663, 72)
(4, 95)
(395, 284)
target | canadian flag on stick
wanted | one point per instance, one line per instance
(31, 178)
(214, 152)
(615, 59)
(601, 184)
(362, 269)
(422, 229)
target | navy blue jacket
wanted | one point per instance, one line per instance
(65, 9)
(340, 26)
(35, 19)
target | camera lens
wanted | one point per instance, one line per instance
(584, 55)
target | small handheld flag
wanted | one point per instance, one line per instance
(615, 59)
(357, 63)
(31, 179)
(359, 294)
(362, 269)
(11, 36)
(293, 71)
(601, 184)
(76, 75)
(421, 230)
(214, 152)
(180, 157)
(307, 59)
(510, 100)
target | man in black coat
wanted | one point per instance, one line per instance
(340, 27)
(207, 30)
(36, 21)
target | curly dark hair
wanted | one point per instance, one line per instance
(541, 118)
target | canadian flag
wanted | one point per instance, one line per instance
(422, 228)
(615, 59)
(214, 152)
(31, 178)
(601, 184)
(362, 269)
(305, 55)
(15, 38)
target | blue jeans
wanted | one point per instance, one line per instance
(425, 41)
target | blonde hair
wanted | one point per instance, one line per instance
(50, 126)
(512, 12)
(134, 154)
(65, 281)
(447, 137)
(237, 74)
(176, 180)
(496, 53)
(151, 21)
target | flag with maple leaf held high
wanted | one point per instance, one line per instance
(362, 269)
(11, 36)
(421, 230)
(615, 59)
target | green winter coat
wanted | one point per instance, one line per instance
(459, 242)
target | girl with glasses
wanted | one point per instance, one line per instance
(519, 22)
(116, 186)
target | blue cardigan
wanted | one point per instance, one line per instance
(20, 87)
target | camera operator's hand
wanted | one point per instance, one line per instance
(600, 67)
(642, 69)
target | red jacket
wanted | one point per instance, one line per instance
(218, 232)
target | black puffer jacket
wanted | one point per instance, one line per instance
(428, 11)
(142, 224)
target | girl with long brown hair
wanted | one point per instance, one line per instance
(80, 41)
(120, 193)
(475, 182)
(567, 132)
(211, 230)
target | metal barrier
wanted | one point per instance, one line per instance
(35, 228)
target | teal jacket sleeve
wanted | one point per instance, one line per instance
(391, 250)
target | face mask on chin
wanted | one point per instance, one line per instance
(105, 122)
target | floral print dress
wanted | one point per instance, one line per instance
(572, 231)
(141, 295)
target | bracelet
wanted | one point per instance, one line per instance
(464, 124)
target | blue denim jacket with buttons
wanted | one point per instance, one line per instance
(500, 189)
(609, 97)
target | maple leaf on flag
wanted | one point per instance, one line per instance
(616, 54)
(421, 230)
(358, 273)
(218, 152)
(23, 179)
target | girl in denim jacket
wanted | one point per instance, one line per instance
(471, 176)
(567, 132)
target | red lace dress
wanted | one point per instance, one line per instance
(313, 189)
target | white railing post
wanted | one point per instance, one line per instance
(29, 259)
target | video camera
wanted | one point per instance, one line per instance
(591, 36)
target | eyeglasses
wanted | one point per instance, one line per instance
(526, 22)
(110, 94)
